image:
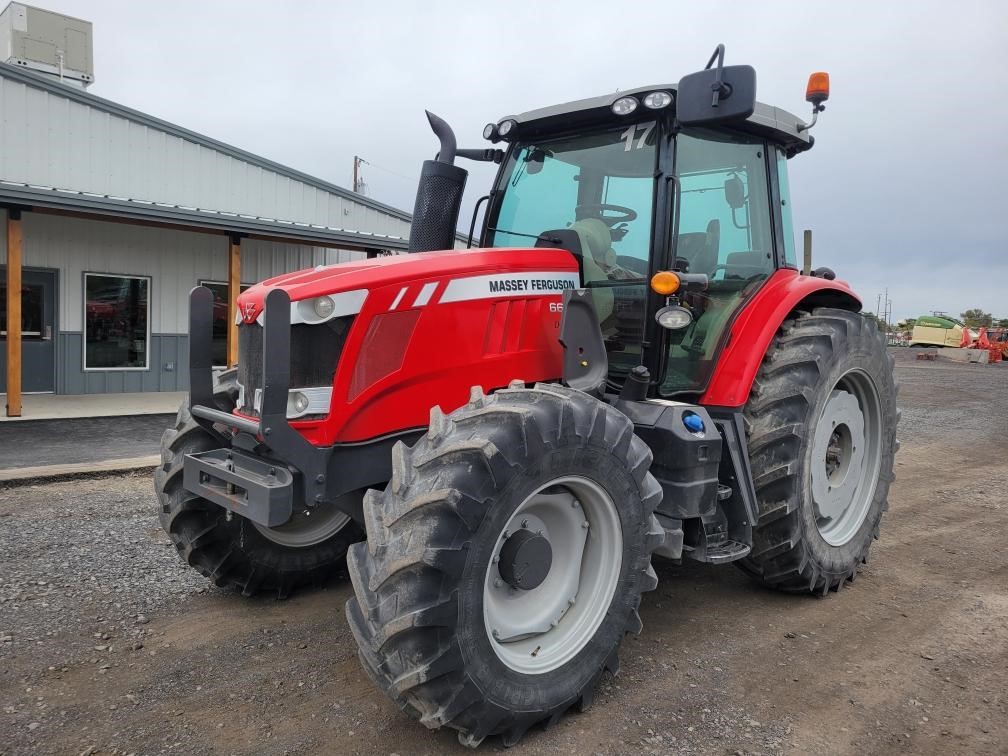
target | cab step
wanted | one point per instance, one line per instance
(719, 553)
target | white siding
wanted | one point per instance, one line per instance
(49, 140)
(175, 260)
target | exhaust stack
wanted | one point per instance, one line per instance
(439, 194)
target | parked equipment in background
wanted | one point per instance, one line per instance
(630, 365)
(939, 330)
(994, 343)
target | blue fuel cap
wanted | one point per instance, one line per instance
(693, 422)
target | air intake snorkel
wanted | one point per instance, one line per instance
(439, 194)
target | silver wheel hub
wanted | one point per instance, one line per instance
(846, 458)
(307, 527)
(540, 628)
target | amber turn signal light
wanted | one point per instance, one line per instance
(817, 90)
(665, 282)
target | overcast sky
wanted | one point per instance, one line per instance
(907, 186)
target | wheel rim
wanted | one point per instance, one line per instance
(307, 527)
(537, 630)
(846, 457)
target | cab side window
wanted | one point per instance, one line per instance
(790, 254)
(724, 215)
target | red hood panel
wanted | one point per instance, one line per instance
(403, 269)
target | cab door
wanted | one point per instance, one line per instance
(725, 230)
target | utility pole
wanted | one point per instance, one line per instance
(358, 180)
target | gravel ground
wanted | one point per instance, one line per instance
(108, 644)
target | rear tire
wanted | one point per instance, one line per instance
(822, 436)
(424, 578)
(234, 553)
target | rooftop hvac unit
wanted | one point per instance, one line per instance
(47, 42)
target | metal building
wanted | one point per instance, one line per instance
(112, 216)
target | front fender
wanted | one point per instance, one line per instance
(754, 329)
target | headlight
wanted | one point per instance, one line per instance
(312, 400)
(624, 106)
(657, 100)
(505, 127)
(490, 132)
(327, 306)
(298, 402)
(323, 307)
(673, 317)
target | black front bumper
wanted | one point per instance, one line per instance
(251, 486)
(266, 468)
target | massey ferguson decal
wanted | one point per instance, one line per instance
(544, 283)
(533, 284)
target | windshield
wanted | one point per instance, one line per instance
(601, 187)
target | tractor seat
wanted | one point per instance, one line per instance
(745, 265)
(596, 241)
(582, 240)
(700, 249)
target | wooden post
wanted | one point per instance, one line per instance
(234, 289)
(807, 267)
(14, 313)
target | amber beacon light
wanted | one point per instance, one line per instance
(665, 282)
(817, 91)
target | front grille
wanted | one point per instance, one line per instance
(315, 352)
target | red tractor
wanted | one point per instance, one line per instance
(629, 365)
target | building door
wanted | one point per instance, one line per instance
(38, 330)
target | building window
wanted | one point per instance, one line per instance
(220, 319)
(31, 311)
(116, 322)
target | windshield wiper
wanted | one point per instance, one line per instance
(550, 239)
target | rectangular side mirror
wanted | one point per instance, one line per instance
(696, 104)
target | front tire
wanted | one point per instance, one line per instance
(548, 463)
(822, 437)
(236, 552)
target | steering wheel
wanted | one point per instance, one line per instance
(626, 214)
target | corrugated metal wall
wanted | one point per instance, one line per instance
(175, 261)
(49, 140)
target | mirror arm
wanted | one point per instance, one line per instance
(472, 225)
(718, 55)
(718, 88)
(483, 156)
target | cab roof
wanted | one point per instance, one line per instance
(773, 123)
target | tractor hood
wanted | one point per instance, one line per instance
(419, 279)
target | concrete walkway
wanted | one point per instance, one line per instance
(62, 406)
(80, 446)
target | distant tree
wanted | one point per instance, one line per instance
(1001, 322)
(907, 325)
(976, 317)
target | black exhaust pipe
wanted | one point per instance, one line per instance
(439, 195)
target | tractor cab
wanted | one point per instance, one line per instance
(631, 190)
